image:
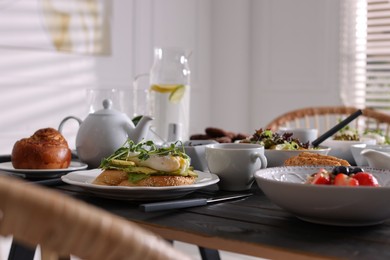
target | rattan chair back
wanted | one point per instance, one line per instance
(35, 215)
(324, 118)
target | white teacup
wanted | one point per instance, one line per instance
(235, 164)
(304, 135)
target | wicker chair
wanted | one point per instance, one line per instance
(324, 118)
(63, 226)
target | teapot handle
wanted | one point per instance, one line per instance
(66, 119)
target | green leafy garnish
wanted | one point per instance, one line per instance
(144, 149)
(136, 177)
(136, 119)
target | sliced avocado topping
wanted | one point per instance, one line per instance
(122, 163)
(141, 170)
(136, 177)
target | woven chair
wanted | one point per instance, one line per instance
(324, 118)
(64, 226)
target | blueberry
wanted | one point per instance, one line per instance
(356, 170)
(341, 169)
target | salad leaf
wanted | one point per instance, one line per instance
(273, 140)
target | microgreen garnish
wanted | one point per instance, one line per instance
(144, 150)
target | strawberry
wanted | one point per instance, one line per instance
(321, 177)
(365, 179)
(342, 179)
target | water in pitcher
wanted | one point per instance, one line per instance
(171, 109)
(170, 94)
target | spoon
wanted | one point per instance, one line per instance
(336, 128)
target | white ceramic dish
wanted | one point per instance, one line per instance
(356, 149)
(84, 180)
(304, 135)
(342, 149)
(326, 204)
(42, 173)
(276, 158)
(195, 149)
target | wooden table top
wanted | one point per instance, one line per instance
(253, 226)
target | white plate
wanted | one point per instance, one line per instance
(84, 180)
(326, 204)
(42, 173)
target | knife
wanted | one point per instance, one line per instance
(186, 203)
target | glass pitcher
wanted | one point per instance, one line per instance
(169, 94)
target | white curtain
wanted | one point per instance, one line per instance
(365, 54)
(352, 57)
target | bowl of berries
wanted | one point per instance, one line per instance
(340, 196)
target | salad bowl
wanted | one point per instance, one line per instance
(326, 204)
(279, 146)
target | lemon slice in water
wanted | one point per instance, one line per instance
(163, 88)
(177, 94)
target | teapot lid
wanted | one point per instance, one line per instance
(107, 109)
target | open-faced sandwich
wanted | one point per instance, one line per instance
(145, 164)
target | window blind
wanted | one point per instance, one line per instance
(365, 54)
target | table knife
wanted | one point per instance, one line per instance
(186, 203)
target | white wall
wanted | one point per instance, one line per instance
(252, 60)
(295, 60)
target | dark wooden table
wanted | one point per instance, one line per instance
(253, 226)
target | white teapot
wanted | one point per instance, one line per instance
(104, 131)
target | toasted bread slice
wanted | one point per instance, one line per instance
(307, 158)
(120, 178)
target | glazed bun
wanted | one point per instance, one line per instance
(46, 149)
(120, 178)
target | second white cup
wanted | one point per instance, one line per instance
(235, 164)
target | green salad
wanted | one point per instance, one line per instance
(349, 133)
(276, 141)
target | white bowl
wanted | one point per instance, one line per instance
(356, 149)
(276, 158)
(326, 204)
(342, 149)
(195, 149)
(304, 135)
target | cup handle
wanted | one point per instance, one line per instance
(66, 119)
(262, 158)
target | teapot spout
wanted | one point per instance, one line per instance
(141, 130)
(376, 159)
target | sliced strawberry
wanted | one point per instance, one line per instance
(342, 179)
(321, 177)
(366, 179)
